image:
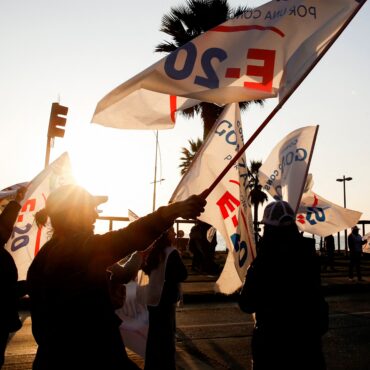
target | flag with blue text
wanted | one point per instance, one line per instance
(321, 217)
(27, 238)
(260, 54)
(283, 174)
(228, 208)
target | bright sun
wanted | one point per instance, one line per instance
(116, 163)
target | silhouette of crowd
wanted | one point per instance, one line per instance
(75, 284)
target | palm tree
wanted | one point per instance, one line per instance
(185, 22)
(189, 154)
(256, 195)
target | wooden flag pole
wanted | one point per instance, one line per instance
(206, 192)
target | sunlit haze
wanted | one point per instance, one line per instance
(75, 52)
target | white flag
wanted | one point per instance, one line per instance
(261, 54)
(318, 216)
(283, 174)
(227, 206)
(366, 247)
(27, 238)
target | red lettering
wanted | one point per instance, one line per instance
(266, 72)
(227, 203)
(31, 204)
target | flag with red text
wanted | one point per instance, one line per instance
(321, 217)
(27, 239)
(283, 174)
(228, 209)
(260, 54)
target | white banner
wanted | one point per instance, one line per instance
(366, 247)
(27, 239)
(283, 174)
(260, 54)
(227, 206)
(318, 216)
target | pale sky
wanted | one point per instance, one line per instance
(78, 51)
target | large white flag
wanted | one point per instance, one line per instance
(261, 54)
(27, 238)
(318, 216)
(283, 174)
(227, 206)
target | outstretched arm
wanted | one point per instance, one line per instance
(9, 216)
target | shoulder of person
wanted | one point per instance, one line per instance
(309, 244)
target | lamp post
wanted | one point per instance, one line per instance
(344, 179)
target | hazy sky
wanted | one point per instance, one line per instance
(77, 51)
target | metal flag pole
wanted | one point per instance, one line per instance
(155, 169)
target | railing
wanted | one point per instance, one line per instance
(112, 219)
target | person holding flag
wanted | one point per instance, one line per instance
(73, 320)
(10, 289)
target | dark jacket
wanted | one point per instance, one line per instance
(283, 290)
(9, 292)
(73, 320)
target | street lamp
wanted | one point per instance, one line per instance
(344, 179)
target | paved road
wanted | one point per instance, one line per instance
(214, 334)
(217, 336)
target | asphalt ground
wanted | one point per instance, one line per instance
(198, 288)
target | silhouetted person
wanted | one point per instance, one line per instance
(283, 289)
(166, 271)
(10, 288)
(181, 242)
(202, 249)
(73, 319)
(329, 248)
(355, 244)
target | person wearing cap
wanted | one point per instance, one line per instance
(282, 289)
(73, 320)
(10, 288)
(355, 244)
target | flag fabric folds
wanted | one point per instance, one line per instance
(260, 54)
(27, 238)
(283, 174)
(228, 208)
(321, 217)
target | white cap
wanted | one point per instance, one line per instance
(278, 213)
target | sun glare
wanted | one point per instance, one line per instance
(114, 163)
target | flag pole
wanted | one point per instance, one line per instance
(155, 169)
(206, 192)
